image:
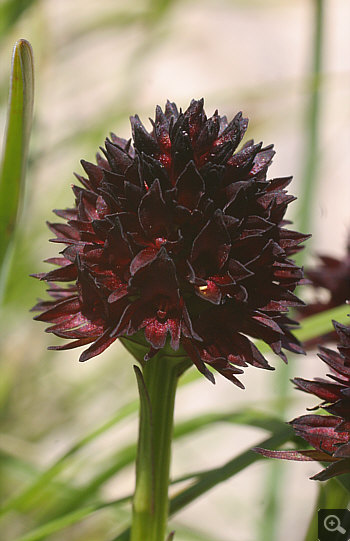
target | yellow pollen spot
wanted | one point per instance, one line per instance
(203, 288)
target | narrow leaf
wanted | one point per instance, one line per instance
(28, 495)
(16, 141)
(42, 532)
(125, 456)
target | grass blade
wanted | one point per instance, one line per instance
(16, 141)
(124, 457)
(68, 520)
(28, 495)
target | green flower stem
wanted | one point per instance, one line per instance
(157, 395)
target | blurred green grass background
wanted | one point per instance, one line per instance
(95, 64)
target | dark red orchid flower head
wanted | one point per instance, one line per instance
(329, 435)
(178, 237)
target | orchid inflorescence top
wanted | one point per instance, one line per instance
(177, 237)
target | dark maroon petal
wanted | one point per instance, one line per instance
(181, 147)
(290, 239)
(190, 187)
(319, 431)
(343, 333)
(155, 332)
(228, 371)
(207, 135)
(101, 162)
(153, 169)
(292, 455)
(333, 470)
(117, 248)
(85, 331)
(196, 118)
(261, 162)
(329, 392)
(118, 159)
(62, 274)
(238, 167)
(153, 213)
(143, 258)
(70, 322)
(94, 173)
(171, 110)
(97, 347)
(161, 128)
(266, 321)
(341, 408)
(249, 352)
(67, 214)
(72, 345)
(343, 451)
(232, 134)
(211, 247)
(161, 266)
(193, 353)
(60, 310)
(143, 141)
(119, 293)
(238, 271)
(64, 231)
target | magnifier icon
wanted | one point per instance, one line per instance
(332, 524)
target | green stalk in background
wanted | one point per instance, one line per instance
(312, 129)
(15, 149)
(273, 486)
